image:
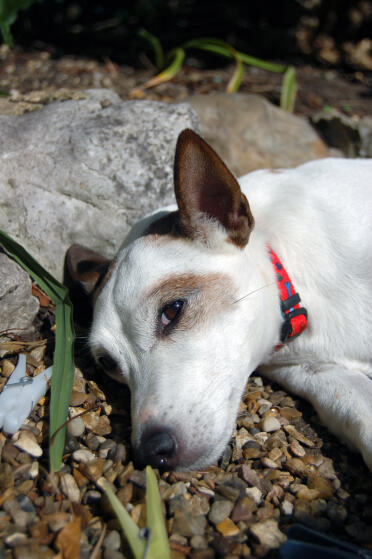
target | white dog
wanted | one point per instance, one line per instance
(196, 300)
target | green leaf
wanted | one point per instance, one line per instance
(159, 546)
(169, 72)
(62, 381)
(224, 49)
(289, 90)
(63, 363)
(156, 46)
(128, 526)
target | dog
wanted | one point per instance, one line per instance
(202, 294)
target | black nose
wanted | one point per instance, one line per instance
(158, 449)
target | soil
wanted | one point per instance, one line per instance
(24, 72)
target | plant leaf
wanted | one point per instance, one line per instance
(169, 72)
(224, 49)
(63, 363)
(8, 14)
(156, 47)
(128, 526)
(289, 90)
(159, 546)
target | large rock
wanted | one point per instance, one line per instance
(250, 133)
(18, 307)
(85, 170)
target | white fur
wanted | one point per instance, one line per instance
(317, 218)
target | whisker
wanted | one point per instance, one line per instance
(254, 291)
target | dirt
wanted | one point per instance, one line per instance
(23, 72)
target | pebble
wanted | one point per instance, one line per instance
(287, 508)
(219, 511)
(34, 470)
(199, 542)
(6, 477)
(291, 430)
(296, 449)
(112, 541)
(76, 427)
(323, 486)
(16, 539)
(227, 528)
(112, 554)
(70, 488)
(243, 509)
(105, 448)
(187, 525)
(83, 455)
(255, 494)
(58, 520)
(20, 518)
(268, 533)
(25, 503)
(27, 443)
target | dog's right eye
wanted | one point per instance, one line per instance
(170, 312)
(107, 362)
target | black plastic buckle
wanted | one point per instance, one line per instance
(286, 330)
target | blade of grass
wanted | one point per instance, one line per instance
(289, 90)
(159, 546)
(169, 72)
(236, 79)
(222, 48)
(62, 381)
(156, 47)
(128, 526)
(63, 364)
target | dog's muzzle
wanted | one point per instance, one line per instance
(157, 448)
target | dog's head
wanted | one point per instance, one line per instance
(169, 316)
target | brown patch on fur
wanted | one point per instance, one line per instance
(204, 295)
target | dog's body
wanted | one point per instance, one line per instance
(190, 306)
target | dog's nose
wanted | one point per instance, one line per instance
(158, 449)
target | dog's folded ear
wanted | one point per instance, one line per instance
(205, 188)
(84, 272)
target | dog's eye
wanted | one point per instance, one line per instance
(170, 312)
(107, 362)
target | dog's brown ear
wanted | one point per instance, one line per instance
(204, 185)
(84, 271)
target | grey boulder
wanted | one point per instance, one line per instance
(18, 307)
(250, 133)
(85, 170)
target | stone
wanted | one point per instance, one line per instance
(219, 511)
(16, 539)
(18, 307)
(27, 443)
(199, 542)
(250, 133)
(76, 427)
(6, 477)
(112, 541)
(243, 509)
(227, 528)
(97, 164)
(186, 524)
(83, 455)
(70, 488)
(287, 508)
(270, 423)
(268, 533)
(350, 134)
(255, 494)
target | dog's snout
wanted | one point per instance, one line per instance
(157, 449)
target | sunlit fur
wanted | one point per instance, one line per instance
(318, 219)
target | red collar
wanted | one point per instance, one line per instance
(294, 316)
